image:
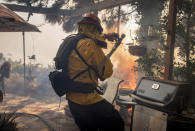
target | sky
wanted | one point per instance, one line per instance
(44, 44)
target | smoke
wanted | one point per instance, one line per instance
(39, 86)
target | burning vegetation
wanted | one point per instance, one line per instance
(124, 63)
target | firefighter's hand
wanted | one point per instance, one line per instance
(111, 36)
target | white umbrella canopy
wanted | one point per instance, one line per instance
(11, 22)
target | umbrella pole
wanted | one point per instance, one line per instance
(23, 34)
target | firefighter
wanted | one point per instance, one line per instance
(91, 112)
(4, 73)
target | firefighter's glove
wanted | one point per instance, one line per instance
(111, 36)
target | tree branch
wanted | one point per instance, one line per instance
(92, 7)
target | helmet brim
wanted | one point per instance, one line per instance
(91, 21)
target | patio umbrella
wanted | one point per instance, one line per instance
(11, 22)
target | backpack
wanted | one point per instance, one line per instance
(60, 80)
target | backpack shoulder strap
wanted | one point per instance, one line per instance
(75, 49)
(72, 46)
(87, 69)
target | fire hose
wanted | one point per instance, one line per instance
(101, 65)
(118, 42)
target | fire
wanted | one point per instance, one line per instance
(163, 71)
(130, 109)
(124, 63)
(126, 70)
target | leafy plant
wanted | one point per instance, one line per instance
(151, 64)
(7, 122)
(184, 61)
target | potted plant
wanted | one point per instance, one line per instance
(137, 50)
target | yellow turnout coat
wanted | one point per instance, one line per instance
(93, 55)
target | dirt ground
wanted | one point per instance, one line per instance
(40, 114)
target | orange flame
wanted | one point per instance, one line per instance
(125, 71)
(124, 63)
(130, 109)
